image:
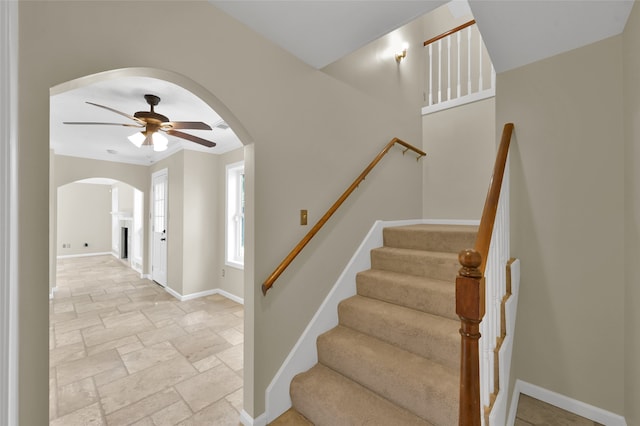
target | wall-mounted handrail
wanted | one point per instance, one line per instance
(471, 293)
(448, 33)
(298, 248)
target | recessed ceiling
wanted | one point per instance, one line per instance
(126, 94)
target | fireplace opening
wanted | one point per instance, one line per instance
(124, 243)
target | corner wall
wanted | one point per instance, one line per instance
(631, 71)
(567, 221)
(461, 147)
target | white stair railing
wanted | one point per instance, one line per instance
(481, 293)
(458, 68)
(495, 291)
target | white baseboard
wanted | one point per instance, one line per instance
(205, 293)
(561, 401)
(247, 420)
(66, 256)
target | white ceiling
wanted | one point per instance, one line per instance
(519, 32)
(516, 32)
(126, 94)
(320, 32)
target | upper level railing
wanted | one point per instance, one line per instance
(298, 248)
(475, 296)
(458, 69)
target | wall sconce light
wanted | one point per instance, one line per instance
(401, 55)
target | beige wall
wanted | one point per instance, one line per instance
(201, 199)
(233, 279)
(84, 216)
(459, 160)
(567, 221)
(631, 71)
(125, 198)
(313, 134)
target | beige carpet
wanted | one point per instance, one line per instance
(394, 357)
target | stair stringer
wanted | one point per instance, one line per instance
(304, 354)
(498, 415)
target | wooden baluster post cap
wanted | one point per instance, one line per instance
(470, 261)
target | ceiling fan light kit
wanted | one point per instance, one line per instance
(153, 124)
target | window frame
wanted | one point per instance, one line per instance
(234, 215)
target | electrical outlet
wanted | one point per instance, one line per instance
(223, 272)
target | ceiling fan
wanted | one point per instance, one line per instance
(152, 124)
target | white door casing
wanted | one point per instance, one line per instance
(159, 228)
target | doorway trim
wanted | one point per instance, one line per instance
(8, 213)
(163, 279)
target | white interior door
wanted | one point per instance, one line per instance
(159, 231)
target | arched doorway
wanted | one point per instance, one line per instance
(192, 179)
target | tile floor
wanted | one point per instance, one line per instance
(125, 352)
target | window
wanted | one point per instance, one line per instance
(235, 215)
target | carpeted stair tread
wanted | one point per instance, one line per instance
(291, 418)
(424, 294)
(438, 265)
(325, 397)
(442, 238)
(424, 387)
(430, 336)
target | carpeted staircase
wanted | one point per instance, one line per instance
(394, 358)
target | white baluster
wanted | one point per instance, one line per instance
(468, 60)
(431, 74)
(449, 68)
(480, 64)
(458, 78)
(439, 70)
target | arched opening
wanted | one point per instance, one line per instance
(197, 322)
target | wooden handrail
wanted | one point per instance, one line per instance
(470, 292)
(447, 33)
(298, 248)
(485, 230)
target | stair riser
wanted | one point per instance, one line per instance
(436, 299)
(424, 264)
(440, 241)
(431, 337)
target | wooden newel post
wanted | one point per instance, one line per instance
(470, 308)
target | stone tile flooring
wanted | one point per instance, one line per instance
(125, 352)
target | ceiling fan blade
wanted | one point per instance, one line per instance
(139, 126)
(191, 138)
(131, 117)
(196, 125)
